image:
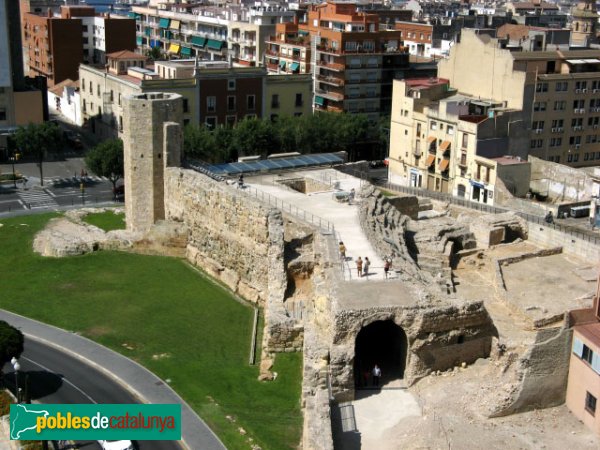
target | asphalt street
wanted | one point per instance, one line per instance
(57, 377)
(64, 186)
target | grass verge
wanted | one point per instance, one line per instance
(106, 220)
(161, 313)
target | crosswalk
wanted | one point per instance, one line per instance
(74, 180)
(36, 199)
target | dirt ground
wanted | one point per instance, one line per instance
(451, 407)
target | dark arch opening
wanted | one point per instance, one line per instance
(383, 343)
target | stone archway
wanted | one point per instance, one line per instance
(383, 343)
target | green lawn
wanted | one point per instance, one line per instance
(144, 306)
(107, 220)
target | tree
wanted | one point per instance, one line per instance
(11, 342)
(38, 141)
(106, 160)
(155, 53)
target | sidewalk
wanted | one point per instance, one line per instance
(137, 379)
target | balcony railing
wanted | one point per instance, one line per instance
(333, 95)
(330, 65)
(330, 80)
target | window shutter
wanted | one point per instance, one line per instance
(577, 347)
(596, 363)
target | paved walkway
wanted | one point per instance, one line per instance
(140, 381)
(343, 216)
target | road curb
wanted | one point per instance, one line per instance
(26, 324)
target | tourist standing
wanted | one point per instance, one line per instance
(366, 266)
(386, 267)
(342, 251)
(376, 375)
(359, 266)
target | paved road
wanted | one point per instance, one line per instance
(57, 377)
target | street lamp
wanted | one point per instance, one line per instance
(15, 157)
(15, 363)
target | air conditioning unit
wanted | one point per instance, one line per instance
(584, 90)
(578, 91)
(576, 111)
(595, 90)
(577, 128)
(555, 130)
(577, 146)
(539, 131)
(560, 129)
(595, 127)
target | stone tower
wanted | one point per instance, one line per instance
(584, 25)
(152, 140)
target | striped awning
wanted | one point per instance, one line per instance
(198, 41)
(174, 48)
(186, 51)
(164, 23)
(294, 66)
(430, 160)
(444, 145)
(282, 64)
(175, 24)
(319, 100)
(444, 165)
(148, 31)
(431, 139)
(214, 44)
(139, 40)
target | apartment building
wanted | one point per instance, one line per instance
(354, 61)
(213, 33)
(427, 40)
(20, 102)
(289, 50)
(558, 92)
(584, 23)
(56, 45)
(447, 142)
(583, 384)
(213, 93)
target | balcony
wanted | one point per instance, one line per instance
(329, 94)
(330, 80)
(331, 66)
(273, 67)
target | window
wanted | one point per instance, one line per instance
(575, 140)
(2, 113)
(211, 122)
(186, 106)
(275, 101)
(465, 140)
(91, 88)
(299, 101)
(250, 102)
(120, 123)
(555, 142)
(112, 96)
(350, 46)
(82, 85)
(231, 103)
(230, 120)
(541, 87)
(540, 106)
(590, 403)
(450, 129)
(211, 104)
(587, 354)
(537, 125)
(433, 125)
(560, 105)
(231, 85)
(98, 90)
(580, 85)
(578, 104)
(84, 106)
(562, 86)
(119, 99)
(557, 123)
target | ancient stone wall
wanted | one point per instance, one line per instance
(573, 244)
(441, 335)
(542, 373)
(233, 237)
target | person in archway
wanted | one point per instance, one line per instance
(376, 375)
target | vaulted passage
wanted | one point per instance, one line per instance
(383, 343)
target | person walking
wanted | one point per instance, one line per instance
(351, 196)
(376, 375)
(386, 267)
(366, 266)
(359, 266)
(241, 181)
(342, 251)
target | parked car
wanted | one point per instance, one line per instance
(116, 445)
(376, 164)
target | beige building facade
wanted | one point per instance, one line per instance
(288, 95)
(558, 93)
(447, 142)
